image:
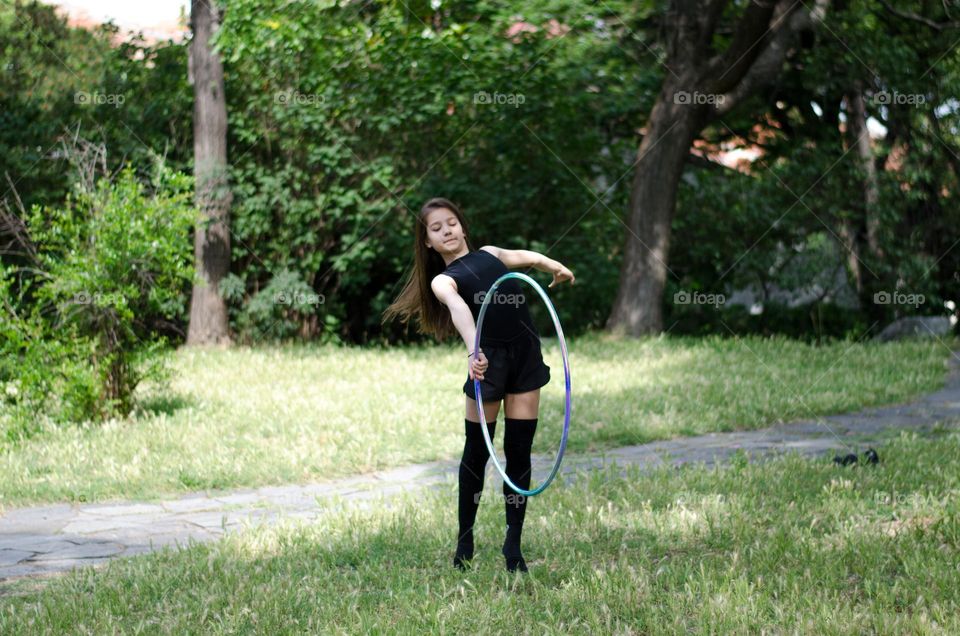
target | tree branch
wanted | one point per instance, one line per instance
(768, 63)
(682, 21)
(728, 67)
(909, 15)
(15, 226)
(708, 21)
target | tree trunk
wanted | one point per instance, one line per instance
(701, 84)
(864, 233)
(208, 311)
(848, 235)
(638, 309)
(871, 187)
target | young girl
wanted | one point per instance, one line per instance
(445, 291)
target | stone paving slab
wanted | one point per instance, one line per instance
(10, 557)
(43, 540)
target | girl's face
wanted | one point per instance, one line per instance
(444, 232)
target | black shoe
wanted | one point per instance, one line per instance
(463, 557)
(514, 558)
(511, 549)
(515, 563)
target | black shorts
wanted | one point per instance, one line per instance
(516, 367)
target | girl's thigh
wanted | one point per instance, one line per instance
(521, 406)
(490, 410)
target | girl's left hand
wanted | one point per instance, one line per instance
(476, 368)
(561, 275)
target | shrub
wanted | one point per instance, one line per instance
(105, 269)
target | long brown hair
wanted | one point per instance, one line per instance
(417, 300)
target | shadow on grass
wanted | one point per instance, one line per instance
(162, 404)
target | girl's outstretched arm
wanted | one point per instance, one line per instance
(515, 259)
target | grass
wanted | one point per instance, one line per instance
(252, 417)
(790, 545)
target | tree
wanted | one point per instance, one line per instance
(208, 310)
(701, 84)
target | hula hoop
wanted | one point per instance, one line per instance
(566, 372)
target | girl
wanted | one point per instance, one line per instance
(445, 291)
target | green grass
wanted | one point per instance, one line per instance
(791, 545)
(251, 417)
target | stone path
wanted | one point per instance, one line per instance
(44, 540)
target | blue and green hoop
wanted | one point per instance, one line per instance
(566, 372)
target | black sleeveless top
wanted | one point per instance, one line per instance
(507, 316)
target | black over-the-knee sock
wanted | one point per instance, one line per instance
(517, 441)
(473, 465)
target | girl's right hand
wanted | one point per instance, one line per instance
(476, 368)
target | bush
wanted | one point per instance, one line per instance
(287, 308)
(106, 268)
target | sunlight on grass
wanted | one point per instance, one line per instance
(264, 416)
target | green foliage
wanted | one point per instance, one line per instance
(344, 121)
(107, 266)
(279, 310)
(58, 80)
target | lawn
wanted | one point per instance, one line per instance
(253, 417)
(790, 545)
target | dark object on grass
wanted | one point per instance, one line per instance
(870, 456)
(846, 460)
